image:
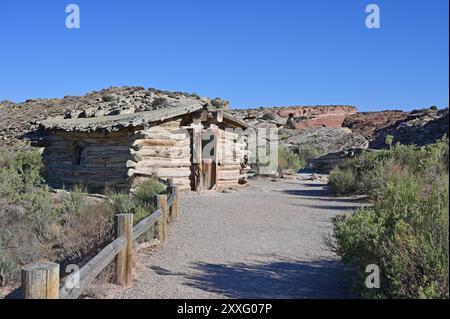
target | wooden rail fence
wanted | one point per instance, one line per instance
(42, 280)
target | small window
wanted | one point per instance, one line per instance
(79, 155)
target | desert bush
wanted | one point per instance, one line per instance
(372, 170)
(108, 98)
(406, 230)
(140, 203)
(8, 269)
(40, 212)
(159, 102)
(18, 242)
(5, 159)
(268, 116)
(20, 175)
(73, 201)
(144, 195)
(308, 153)
(289, 161)
(388, 140)
(121, 204)
(36, 224)
(405, 233)
(69, 227)
(372, 182)
(79, 237)
(342, 181)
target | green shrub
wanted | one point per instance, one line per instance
(108, 98)
(289, 161)
(122, 204)
(11, 185)
(372, 182)
(268, 116)
(372, 169)
(159, 102)
(36, 224)
(5, 159)
(389, 139)
(405, 233)
(20, 175)
(40, 212)
(144, 195)
(141, 203)
(74, 201)
(342, 181)
(8, 269)
(308, 153)
(140, 213)
(80, 236)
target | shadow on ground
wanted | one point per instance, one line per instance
(331, 207)
(324, 194)
(279, 279)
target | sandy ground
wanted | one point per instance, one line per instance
(265, 241)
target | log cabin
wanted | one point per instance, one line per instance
(190, 144)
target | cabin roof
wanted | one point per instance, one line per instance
(114, 123)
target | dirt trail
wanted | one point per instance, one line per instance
(261, 242)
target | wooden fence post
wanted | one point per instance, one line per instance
(174, 209)
(124, 228)
(161, 203)
(40, 281)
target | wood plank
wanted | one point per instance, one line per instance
(145, 224)
(138, 144)
(71, 290)
(159, 163)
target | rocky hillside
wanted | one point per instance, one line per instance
(318, 126)
(18, 120)
(321, 140)
(419, 128)
(297, 117)
(366, 123)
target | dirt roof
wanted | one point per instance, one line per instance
(113, 123)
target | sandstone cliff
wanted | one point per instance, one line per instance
(300, 116)
(420, 127)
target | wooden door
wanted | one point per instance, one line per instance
(209, 160)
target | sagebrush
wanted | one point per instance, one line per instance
(406, 230)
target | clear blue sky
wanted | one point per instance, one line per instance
(252, 52)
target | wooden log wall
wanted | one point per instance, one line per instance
(163, 151)
(104, 165)
(124, 159)
(231, 151)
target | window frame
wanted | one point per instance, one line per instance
(78, 155)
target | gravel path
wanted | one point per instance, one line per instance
(264, 241)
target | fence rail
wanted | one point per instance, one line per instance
(42, 281)
(145, 224)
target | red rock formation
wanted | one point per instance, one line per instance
(302, 116)
(316, 116)
(366, 123)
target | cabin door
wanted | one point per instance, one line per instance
(209, 161)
